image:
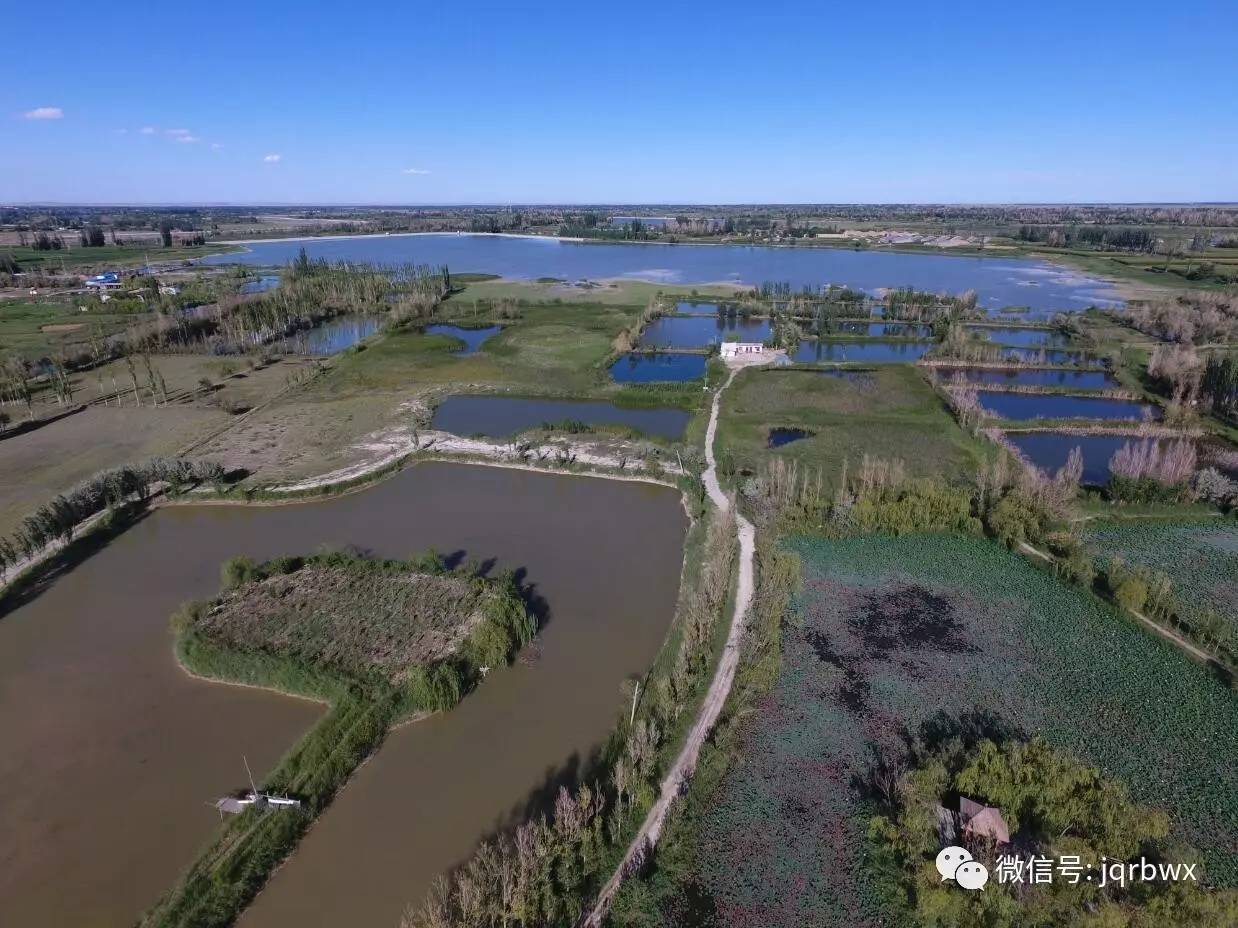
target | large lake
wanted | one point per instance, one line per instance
(999, 281)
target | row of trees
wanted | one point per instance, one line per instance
(1102, 238)
(1191, 379)
(56, 521)
(1200, 317)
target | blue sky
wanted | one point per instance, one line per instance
(515, 102)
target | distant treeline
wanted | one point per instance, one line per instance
(1103, 238)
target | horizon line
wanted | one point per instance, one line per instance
(479, 204)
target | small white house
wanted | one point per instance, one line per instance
(735, 349)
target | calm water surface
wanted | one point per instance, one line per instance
(421, 805)
(812, 351)
(261, 284)
(1019, 337)
(472, 338)
(1050, 406)
(112, 753)
(1050, 356)
(652, 368)
(1080, 380)
(1049, 450)
(504, 416)
(332, 336)
(883, 329)
(699, 331)
(784, 436)
(707, 309)
(998, 281)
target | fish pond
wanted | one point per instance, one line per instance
(1021, 337)
(1062, 406)
(812, 351)
(637, 367)
(1030, 377)
(473, 338)
(504, 416)
(1050, 356)
(113, 754)
(882, 329)
(700, 331)
(688, 308)
(999, 281)
(1049, 451)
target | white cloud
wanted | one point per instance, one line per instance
(414, 171)
(216, 146)
(273, 159)
(45, 112)
(148, 130)
(189, 139)
(177, 132)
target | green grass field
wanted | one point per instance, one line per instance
(552, 350)
(889, 411)
(46, 328)
(1143, 271)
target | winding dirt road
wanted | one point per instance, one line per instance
(676, 780)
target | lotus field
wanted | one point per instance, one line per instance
(1200, 557)
(886, 633)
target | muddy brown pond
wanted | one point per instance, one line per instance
(112, 753)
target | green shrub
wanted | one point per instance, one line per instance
(919, 506)
(1131, 594)
(1017, 518)
(1076, 567)
(1146, 490)
(238, 570)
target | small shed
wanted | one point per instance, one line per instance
(981, 821)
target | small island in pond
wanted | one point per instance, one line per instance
(381, 641)
(313, 626)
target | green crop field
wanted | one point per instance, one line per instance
(889, 411)
(888, 633)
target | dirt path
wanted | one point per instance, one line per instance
(1169, 635)
(676, 780)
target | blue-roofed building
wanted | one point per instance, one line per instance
(108, 280)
